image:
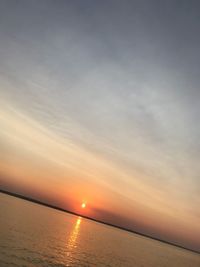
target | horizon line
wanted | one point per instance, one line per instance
(92, 219)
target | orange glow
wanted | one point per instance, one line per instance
(83, 205)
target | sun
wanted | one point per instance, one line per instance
(83, 205)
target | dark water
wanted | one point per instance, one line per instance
(33, 235)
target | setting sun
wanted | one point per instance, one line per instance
(83, 205)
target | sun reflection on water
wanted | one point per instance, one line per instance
(72, 241)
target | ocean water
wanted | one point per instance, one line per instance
(32, 235)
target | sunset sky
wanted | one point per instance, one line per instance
(100, 103)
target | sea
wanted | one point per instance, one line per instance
(33, 235)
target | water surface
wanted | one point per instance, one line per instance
(32, 235)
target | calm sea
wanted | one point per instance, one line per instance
(33, 235)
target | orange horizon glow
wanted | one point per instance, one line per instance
(37, 158)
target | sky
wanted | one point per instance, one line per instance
(99, 103)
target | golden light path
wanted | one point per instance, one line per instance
(72, 244)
